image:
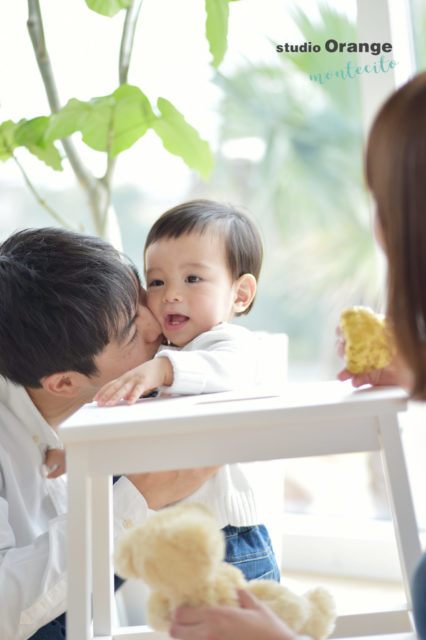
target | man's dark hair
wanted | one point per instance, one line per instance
(64, 296)
(243, 244)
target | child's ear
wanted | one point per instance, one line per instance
(245, 290)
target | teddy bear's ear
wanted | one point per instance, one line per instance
(123, 558)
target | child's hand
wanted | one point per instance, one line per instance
(55, 462)
(137, 382)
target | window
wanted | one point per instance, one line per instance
(288, 142)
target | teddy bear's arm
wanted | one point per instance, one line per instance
(159, 611)
(291, 608)
(224, 587)
(322, 615)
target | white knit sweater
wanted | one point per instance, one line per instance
(226, 358)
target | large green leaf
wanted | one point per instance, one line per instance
(69, 119)
(113, 123)
(133, 116)
(29, 134)
(109, 123)
(217, 28)
(7, 139)
(181, 139)
(108, 7)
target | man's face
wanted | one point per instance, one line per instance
(138, 343)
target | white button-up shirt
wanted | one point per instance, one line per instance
(33, 518)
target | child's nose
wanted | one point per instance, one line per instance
(172, 293)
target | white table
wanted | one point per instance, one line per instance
(153, 435)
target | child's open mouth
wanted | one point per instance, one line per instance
(175, 321)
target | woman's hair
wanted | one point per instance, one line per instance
(243, 245)
(64, 297)
(396, 175)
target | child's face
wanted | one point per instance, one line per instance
(189, 285)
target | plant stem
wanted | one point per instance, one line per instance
(84, 177)
(39, 199)
(126, 48)
(127, 38)
(107, 178)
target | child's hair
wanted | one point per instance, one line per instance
(396, 175)
(64, 297)
(243, 244)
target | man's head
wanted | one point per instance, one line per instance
(65, 297)
(202, 261)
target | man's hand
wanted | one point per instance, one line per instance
(164, 487)
(136, 382)
(54, 463)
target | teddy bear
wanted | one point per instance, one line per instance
(179, 553)
(369, 340)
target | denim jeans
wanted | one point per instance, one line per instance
(56, 629)
(419, 598)
(250, 549)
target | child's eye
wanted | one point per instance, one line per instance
(155, 283)
(192, 279)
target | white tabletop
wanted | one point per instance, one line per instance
(154, 416)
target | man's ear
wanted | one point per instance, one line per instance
(65, 383)
(245, 290)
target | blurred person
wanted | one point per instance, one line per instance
(396, 170)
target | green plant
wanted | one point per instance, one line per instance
(108, 124)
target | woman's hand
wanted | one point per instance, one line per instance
(253, 621)
(395, 374)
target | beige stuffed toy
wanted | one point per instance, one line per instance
(369, 341)
(179, 553)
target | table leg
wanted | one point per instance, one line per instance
(79, 544)
(102, 540)
(399, 492)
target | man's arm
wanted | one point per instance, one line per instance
(164, 487)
